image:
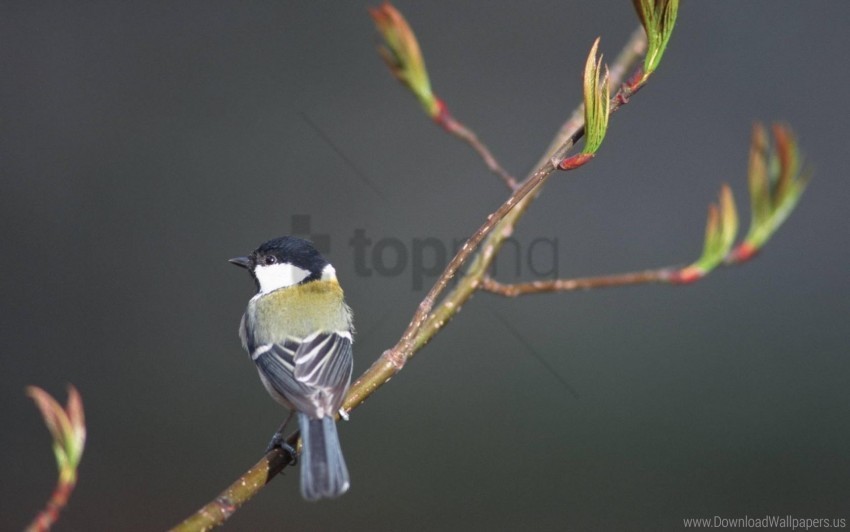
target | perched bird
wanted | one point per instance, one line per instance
(298, 331)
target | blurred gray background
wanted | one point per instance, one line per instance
(143, 144)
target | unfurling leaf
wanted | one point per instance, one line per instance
(402, 55)
(658, 18)
(597, 110)
(776, 183)
(597, 101)
(721, 228)
(67, 427)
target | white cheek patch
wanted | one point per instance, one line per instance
(328, 273)
(280, 275)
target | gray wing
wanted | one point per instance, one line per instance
(324, 360)
(313, 375)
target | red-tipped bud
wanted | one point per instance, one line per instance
(575, 161)
(688, 275)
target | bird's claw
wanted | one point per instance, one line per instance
(279, 442)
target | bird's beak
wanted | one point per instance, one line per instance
(243, 262)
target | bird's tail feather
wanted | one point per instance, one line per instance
(323, 470)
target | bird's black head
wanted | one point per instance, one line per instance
(283, 262)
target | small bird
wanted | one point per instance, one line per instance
(298, 331)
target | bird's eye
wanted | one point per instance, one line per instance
(270, 259)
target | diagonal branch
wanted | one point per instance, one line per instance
(218, 510)
(394, 359)
(499, 225)
(567, 136)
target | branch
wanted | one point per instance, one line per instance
(670, 275)
(394, 359)
(228, 501)
(428, 321)
(565, 139)
(414, 338)
(661, 275)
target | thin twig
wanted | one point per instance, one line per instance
(461, 131)
(47, 517)
(662, 275)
